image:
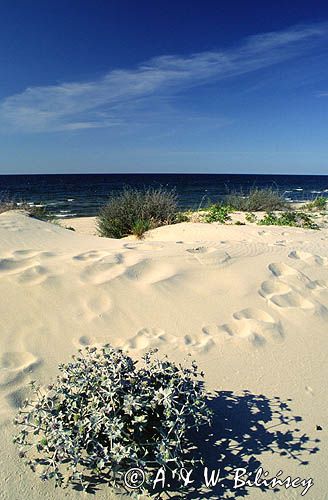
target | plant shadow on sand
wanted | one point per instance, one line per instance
(244, 427)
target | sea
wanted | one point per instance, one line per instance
(78, 195)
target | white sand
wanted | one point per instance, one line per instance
(83, 225)
(249, 303)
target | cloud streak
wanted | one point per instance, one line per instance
(105, 102)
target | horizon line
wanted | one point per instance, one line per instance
(166, 173)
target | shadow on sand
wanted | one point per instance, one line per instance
(244, 427)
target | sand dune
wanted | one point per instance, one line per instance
(250, 305)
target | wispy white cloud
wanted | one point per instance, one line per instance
(106, 102)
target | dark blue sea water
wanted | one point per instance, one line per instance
(82, 194)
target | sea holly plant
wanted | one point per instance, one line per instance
(218, 213)
(289, 218)
(105, 414)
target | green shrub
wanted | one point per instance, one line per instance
(218, 213)
(182, 217)
(124, 210)
(140, 227)
(256, 200)
(250, 217)
(290, 218)
(105, 415)
(318, 203)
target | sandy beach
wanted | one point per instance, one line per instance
(163, 250)
(250, 304)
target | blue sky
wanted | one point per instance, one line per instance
(158, 86)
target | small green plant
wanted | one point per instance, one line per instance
(319, 203)
(218, 213)
(140, 227)
(250, 217)
(125, 209)
(105, 415)
(239, 223)
(256, 200)
(290, 218)
(182, 217)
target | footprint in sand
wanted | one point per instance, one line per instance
(148, 272)
(258, 323)
(280, 269)
(290, 288)
(198, 250)
(272, 287)
(15, 365)
(21, 254)
(308, 258)
(201, 343)
(147, 338)
(97, 306)
(25, 267)
(29, 254)
(253, 325)
(86, 340)
(143, 246)
(293, 277)
(218, 334)
(278, 243)
(282, 295)
(90, 255)
(33, 276)
(209, 255)
(48, 255)
(13, 266)
(104, 270)
(132, 246)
